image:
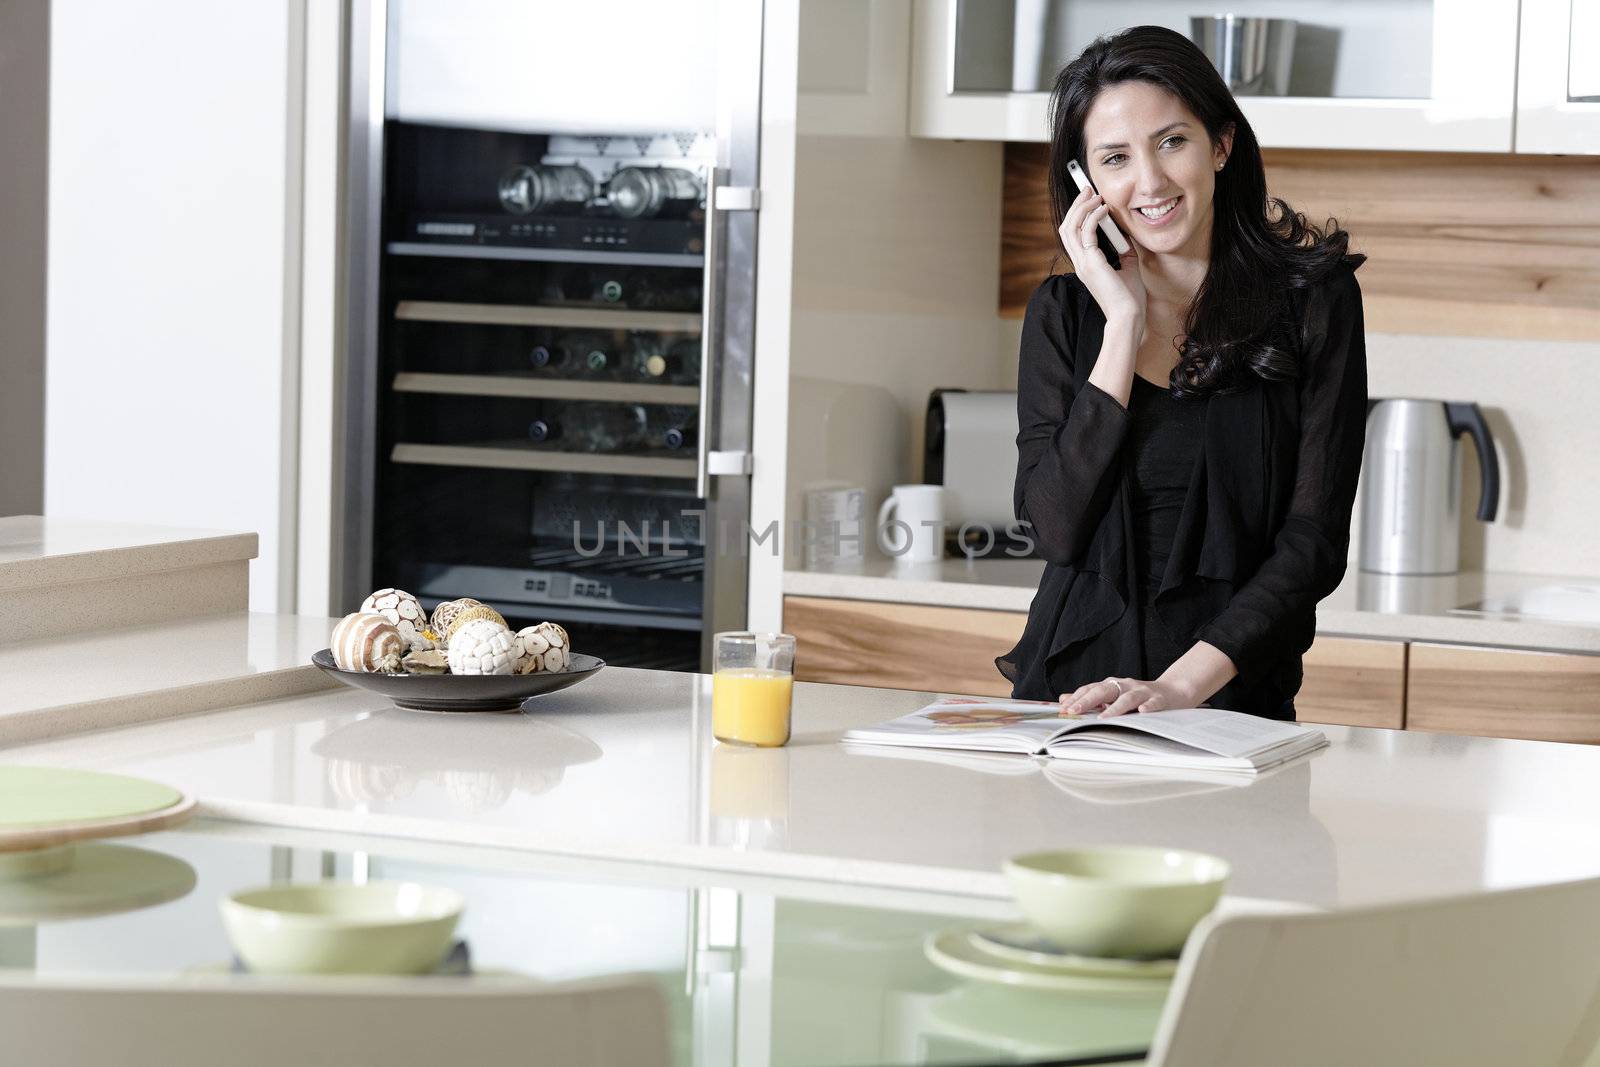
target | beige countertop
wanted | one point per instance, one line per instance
(62, 685)
(39, 550)
(623, 767)
(1365, 605)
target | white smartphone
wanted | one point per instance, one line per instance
(1107, 227)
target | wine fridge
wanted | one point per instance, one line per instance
(550, 323)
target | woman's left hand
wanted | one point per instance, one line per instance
(1118, 696)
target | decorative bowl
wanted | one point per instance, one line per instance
(462, 692)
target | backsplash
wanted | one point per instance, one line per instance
(1545, 429)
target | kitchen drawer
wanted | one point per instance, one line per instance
(1545, 696)
(900, 646)
(1354, 682)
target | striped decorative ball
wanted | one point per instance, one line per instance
(367, 643)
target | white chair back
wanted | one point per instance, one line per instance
(67, 1021)
(1511, 977)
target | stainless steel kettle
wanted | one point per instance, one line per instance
(1411, 484)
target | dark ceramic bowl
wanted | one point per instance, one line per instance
(462, 692)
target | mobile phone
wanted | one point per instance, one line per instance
(1107, 227)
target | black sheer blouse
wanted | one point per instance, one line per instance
(1264, 530)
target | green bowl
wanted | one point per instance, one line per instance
(1117, 900)
(338, 928)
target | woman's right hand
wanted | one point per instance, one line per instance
(1120, 293)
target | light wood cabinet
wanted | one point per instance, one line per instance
(900, 646)
(1349, 681)
(1354, 682)
(1492, 692)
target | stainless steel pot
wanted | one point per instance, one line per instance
(1253, 55)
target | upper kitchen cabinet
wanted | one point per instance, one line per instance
(1432, 75)
(1558, 78)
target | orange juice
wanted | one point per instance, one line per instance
(750, 705)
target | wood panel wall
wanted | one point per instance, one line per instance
(1458, 244)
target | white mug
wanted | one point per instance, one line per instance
(911, 524)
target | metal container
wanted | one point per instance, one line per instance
(1411, 484)
(1253, 55)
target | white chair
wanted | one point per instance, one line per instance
(1502, 979)
(68, 1021)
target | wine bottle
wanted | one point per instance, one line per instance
(647, 361)
(597, 427)
(683, 360)
(554, 357)
(676, 427)
(543, 431)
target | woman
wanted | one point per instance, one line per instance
(1191, 424)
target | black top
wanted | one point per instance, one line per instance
(1163, 443)
(1264, 530)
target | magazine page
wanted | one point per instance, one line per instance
(1003, 764)
(1230, 734)
(1023, 726)
(1139, 783)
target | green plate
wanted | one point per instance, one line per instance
(1022, 943)
(34, 797)
(955, 952)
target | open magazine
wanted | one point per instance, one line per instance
(1097, 783)
(1182, 739)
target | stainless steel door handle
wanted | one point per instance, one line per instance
(728, 463)
(719, 198)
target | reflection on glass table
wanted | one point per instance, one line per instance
(754, 970)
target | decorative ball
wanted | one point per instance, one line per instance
(405, 613)
(474, 613)
(541, 648)
(445, 614)
(529, 647)
(367, 643)
(481, 646)
(555, 635)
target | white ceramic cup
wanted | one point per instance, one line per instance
(911, 524)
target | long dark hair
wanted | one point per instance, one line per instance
(1261, 248)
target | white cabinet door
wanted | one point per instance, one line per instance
(171, 332)
(1558, 77)
(1399, 75)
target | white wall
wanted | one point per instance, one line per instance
(166, 331)
(1545, 431)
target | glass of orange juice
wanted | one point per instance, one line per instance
(751, 683)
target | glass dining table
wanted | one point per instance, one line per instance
(755, 970)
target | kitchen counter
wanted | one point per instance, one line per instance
(42, 550)
(1365, 605)
(622, 767)
(60, 577)
(61, 685)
